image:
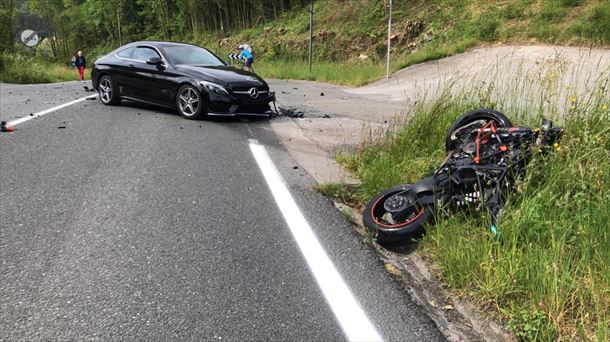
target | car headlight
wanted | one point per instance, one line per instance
(214, 88)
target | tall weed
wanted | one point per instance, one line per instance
(17, 68)
(547, 274)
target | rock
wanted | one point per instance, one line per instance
(321, 94)
(414, 28)
(323, 34)
(363, 57)
(224, 42)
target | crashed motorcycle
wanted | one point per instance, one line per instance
(486, 154)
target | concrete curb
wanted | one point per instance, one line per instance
(456, 319)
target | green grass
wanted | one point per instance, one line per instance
(547, 275)
(353, 74)
(17, 68)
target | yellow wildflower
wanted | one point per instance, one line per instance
(605, 106)
(573, 99)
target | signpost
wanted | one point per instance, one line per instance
(310, 32)
(389, 41)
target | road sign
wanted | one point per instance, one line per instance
(29, 38)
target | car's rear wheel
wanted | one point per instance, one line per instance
(107, 91)
(190, 103)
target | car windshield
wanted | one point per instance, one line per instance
(191, 55)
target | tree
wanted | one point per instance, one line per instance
(8, 19)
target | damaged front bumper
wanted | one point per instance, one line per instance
(241, 103)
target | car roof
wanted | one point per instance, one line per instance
(157, 44)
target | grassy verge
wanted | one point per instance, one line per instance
(547, 275)
(352, 73)
(16, 68)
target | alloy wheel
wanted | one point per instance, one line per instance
(188, 101)
(105, 90)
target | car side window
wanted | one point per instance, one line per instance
(127, 53)
(144, 53)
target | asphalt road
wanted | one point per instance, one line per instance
(131, 223)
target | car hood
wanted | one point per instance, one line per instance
(223, 75)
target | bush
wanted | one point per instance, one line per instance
(596, 25)
(513, 11)
(552, 12)
(569, 3)
(487, 28)
(18, 68)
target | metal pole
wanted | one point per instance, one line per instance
(310, 32)
(389, 47)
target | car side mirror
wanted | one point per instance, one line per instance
(154, 61)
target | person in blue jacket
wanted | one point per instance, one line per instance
(245, 53)
(81, 64)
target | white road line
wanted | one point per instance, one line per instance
(46, 111)
(350, 315)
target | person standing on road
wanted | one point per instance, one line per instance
(81, 64)
(245, 53)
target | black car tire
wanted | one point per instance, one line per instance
(107, 91)
(480, 114)
(397, 232)
(190, 103)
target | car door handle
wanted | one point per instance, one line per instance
(131, 66)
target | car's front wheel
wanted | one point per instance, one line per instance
(190, 103)
(107, 91)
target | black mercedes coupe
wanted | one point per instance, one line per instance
(187, 77)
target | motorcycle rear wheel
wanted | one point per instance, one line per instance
(377, 219)
(480, 114)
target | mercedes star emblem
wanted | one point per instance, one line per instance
(253, 93)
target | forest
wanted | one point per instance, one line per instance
(89, 24)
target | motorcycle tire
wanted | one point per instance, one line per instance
(392, 231)
(480, 114)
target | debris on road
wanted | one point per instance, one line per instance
(321, 94)
(291, 112)
(4, 127)
(61, 127)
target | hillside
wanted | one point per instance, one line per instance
(357, 30)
